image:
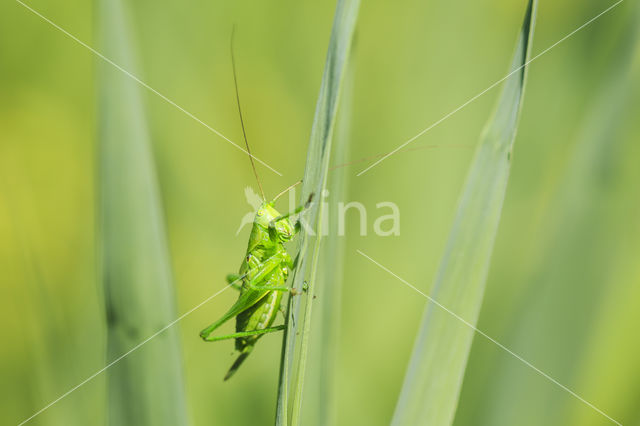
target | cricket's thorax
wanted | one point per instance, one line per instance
(267, 216)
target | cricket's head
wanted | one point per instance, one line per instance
(265, 216)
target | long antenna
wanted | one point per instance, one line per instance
(244, 133)
(287, 190)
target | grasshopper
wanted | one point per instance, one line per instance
(263, 272)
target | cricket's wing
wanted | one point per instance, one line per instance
(246, 300)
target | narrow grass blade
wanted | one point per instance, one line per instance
(319, 408)
(434, 377)
(145, 388)
(314, 182)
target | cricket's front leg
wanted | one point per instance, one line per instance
(297, 210)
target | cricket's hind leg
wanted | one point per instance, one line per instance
(244, 334)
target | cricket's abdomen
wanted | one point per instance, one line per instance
(264, 312)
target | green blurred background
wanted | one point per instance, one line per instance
(563, 291)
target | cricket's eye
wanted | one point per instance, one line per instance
(260, 213)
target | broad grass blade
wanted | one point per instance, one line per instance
(433, 380)
(583, 249)
(145, 387)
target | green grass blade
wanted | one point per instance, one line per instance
(434, 377)
(578, 267)
(46, 327)
(320, 405)
(314, 182)
(145, 388)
